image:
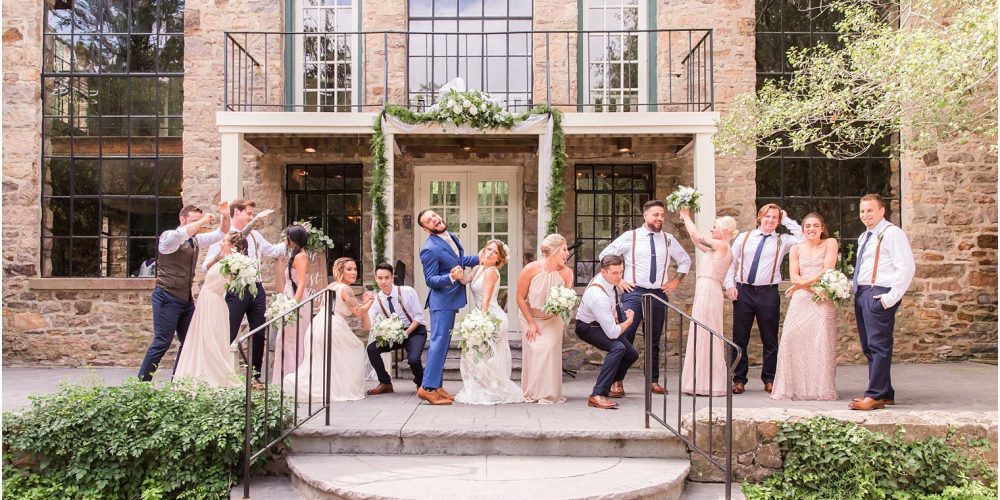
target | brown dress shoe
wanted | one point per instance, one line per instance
(617, 390)
(769, 387)
(432, 397)
(380, 389)
(602, 403)
(444, 394)
(887, 402)
(867, 404)
(738, 388)
(657, 388)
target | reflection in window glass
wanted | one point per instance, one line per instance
(112, 99)
(613, 56)
(328, 56)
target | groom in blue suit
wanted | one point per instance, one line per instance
(444, 260)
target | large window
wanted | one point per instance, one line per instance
(327, 57)
(808, 181)
(330, 197)
(609, 201)
(482, 41)
(613, 75)
(112, 94)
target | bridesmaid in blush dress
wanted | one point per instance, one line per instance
(541, 370)
(288, 346)
(807, 353)
(705, 358)
(206, 354)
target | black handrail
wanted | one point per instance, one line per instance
(326, 299)
(731, 361)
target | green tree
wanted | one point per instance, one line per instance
(927, 69)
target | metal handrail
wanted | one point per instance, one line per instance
(691, 442)
(245, 347)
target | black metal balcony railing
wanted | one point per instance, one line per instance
(641, 70)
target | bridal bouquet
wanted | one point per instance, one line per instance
(832, 285)
(280, 305)
(561, 301)
(683, 197)
(241, 274)
(476, 333)
(389, 331)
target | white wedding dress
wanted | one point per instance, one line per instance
(486, 381)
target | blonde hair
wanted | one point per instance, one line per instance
(502, 252)
(767, 208)
(728, 224)
(337, 269)
(551, 243)
(874, 197)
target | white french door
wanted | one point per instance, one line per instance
(479, 204)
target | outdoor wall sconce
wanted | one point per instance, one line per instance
(467, 144)
(309, 144)
(623, 144)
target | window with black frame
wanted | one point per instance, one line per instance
(329, 196)
(112, 95)
(609, 201)
(803, 182)
(485, 42)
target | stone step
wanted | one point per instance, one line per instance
(645, 443)
(452, 364)
(486, 477)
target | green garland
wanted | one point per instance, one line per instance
(555, 201)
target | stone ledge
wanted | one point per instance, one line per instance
(123, 284)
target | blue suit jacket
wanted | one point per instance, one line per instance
(438, 259)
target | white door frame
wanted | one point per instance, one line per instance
(425, 173)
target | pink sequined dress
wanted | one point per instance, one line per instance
(708, 357)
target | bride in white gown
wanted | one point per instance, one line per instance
(486, 381)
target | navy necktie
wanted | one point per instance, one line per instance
(652, 260)
(619, 317)
(857, 264)
(391, 309)
(190, 242)
(756, 259)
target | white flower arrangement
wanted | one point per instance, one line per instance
(561, 301)
(472, 107)
(389, 331)
(281, 304)
(477, 332)
(240, 272)
(683, 197)
(832, 285)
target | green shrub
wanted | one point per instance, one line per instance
(134, 441)
(826, 459)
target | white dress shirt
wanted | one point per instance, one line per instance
(172, 239)
(257, 248)
(599, 306)
(895, 261)
(409, 301)
(743, 255)
(623, 246)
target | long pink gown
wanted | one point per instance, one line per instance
(288, 346)
(707, 309)
(206, 355)
(807, 353)
(541, 366)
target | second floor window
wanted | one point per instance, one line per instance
(326, 54)
(614, 73)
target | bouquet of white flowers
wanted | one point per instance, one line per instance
(477, 332)
(281, 304)
(241, 274)
(473, 107)
(683, 197)
(561, 301)
(389, 331)
(832, 285)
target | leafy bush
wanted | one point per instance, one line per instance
(826, 458)
(134, 441)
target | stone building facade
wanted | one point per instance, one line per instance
(80, 320)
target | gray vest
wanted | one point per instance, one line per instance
(175, 271)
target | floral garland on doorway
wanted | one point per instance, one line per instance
(476, 109)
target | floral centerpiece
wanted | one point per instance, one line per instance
(561, 301)
(389, 331)
(241, 274)
(281, 304)
(683, 197)
(477, 332)
(475, 108)
(832, 285)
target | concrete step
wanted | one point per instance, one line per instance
(485, 477)
(452, 364)
(644, 443)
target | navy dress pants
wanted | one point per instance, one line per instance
(170, 315)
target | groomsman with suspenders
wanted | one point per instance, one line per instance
(395, 300)
(882, 273)
(647, 251)
(752, 282)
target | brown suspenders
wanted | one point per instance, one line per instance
(774, 265)
(614, 307)
(666, 243)
(878, 250)
(399, 292)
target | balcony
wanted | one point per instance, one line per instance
(667, 70)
